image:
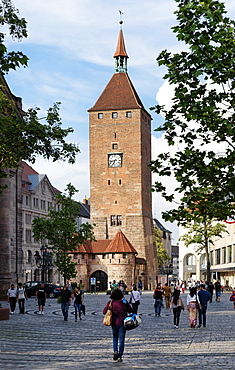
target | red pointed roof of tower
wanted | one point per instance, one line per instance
(118, 94)
(120, 244)
(120, 50)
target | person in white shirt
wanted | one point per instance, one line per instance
(135, 299)
(12, 295)
(192, 303)
(21, 295)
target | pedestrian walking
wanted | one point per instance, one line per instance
(183, 285)
(65, 301)
(41, 298)
(140, 286)
(158, 296)
(177, 305)
(167, 293)
(135, 299)
(211, 290)
(232, 298)
(119, 307)
(204, 297)
(78, 301)
(192, 303)
(21, 296)
(12, 296)
(217, 290)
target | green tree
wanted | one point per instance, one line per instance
(202, 113)
(162, 256)
(201, 234)
(61, 231)
(24, 135)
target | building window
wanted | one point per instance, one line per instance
(49, 205)
(115, 146)
(26, 200)
(128, 114)
(28, 235)
(190, 260)
(75, 256)
(28, 218)
(124, 255)
(114, 115)
(93, 256)
(120, 182)
(82, 256)
(229, 254)
(113, 255)
(119, 220)
(224, 255)
(113, 220)
(28, 256)
(217, 256)
(115, 135)
(35, 202)
(100, 115)
(109, 182)
(43, 204)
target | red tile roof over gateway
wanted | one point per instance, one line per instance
(119, 244)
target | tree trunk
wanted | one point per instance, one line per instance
(208, 264)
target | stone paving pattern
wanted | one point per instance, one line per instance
(37, 342)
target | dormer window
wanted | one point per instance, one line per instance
(114, 115)
(100, 115)
(128, 114)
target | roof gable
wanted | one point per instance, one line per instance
(120, 244)
(118, 94)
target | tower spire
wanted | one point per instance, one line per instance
(120, 55)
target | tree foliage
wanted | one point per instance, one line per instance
(162, 256)
(24, 135)
(201, 234)
(202, 114)
(61, 231)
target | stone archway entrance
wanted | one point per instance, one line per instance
(101, 281)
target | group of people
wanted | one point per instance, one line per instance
(65, 299)
(17, 294)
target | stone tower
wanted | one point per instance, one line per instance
(120, 152)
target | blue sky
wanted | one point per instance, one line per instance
(70, 46)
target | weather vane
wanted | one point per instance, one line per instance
(121, 13)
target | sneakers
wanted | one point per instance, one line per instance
(120, 359)
(115, 356)
(42, 313)
(176, 327)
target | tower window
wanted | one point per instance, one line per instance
(114, 115)
(114, 145)
(119, 220)
(108, 182)
(120, 182)
(113, 220)
(128, 114)
(115, 135)
(100, 115)
(124, 255)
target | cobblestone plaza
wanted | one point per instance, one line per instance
(47, 342)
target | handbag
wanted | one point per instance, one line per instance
(132, 321)
(83, 309)
(59, 300)
(232, 297)
(107, 320)
(180, 304)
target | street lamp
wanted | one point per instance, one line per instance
(43, 252)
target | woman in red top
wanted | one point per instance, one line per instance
(119, 309)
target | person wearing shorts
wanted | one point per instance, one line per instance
(41, 297)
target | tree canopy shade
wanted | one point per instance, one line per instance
(202, 114)
(23, 135)
(162, 256)
(61, 231)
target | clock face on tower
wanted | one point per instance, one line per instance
(115, 160)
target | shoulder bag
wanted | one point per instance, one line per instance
(107, 320)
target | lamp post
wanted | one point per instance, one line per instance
(43, 252)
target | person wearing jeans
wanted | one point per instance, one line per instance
(158, 296)
(65, 301)
(78, 301)
(204, 297)
(119, 308)
(177, 305)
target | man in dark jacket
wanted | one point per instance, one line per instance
(204, 297)
(65, 301)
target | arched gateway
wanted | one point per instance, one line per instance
(101, 281)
